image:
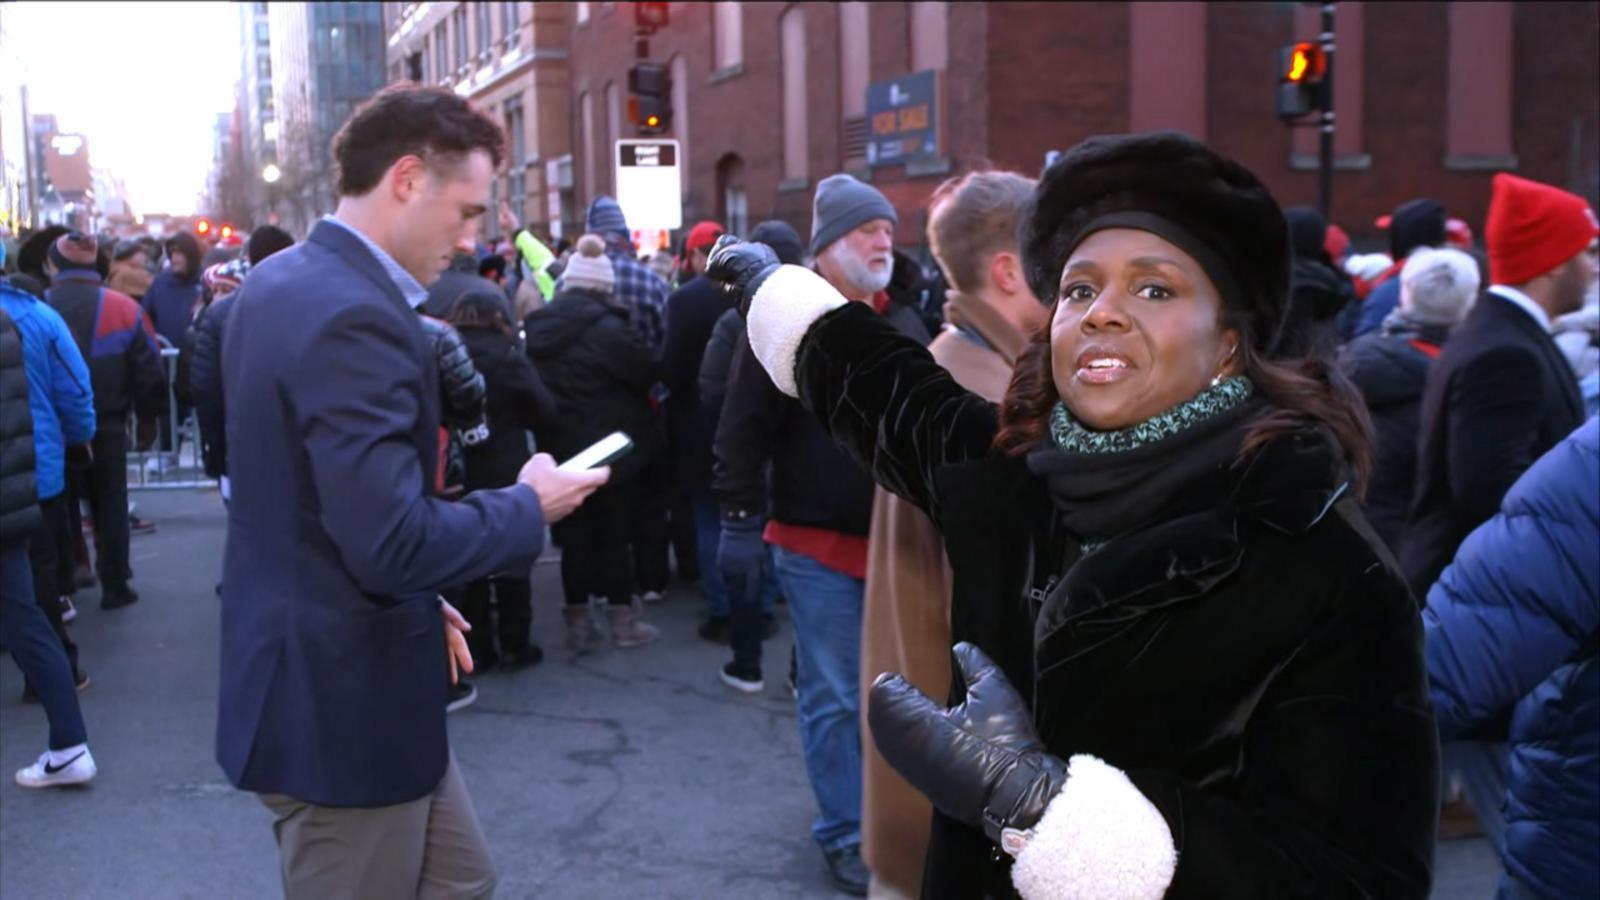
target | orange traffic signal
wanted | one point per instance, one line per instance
(1306, 62)
(1302, 80)
(227, 232)
(202, 227)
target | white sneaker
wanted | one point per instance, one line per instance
(68, 611)
(652, 597)
(77, 770)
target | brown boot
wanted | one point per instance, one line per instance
(627, 626)
(583, 635)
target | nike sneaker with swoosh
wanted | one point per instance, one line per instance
(77, 770)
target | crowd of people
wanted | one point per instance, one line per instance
(1228, 525)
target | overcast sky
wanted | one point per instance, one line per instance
(142, 81)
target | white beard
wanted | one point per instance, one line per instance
(856, 270)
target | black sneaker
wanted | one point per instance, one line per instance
(716, 629)
(117, 598)
(848, 871)
(740, 680)
(518, 660)
(462, 695)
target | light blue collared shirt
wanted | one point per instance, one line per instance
(413, 290)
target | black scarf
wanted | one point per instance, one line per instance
(1103, 495)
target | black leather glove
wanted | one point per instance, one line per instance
(740, 267)
(981, 762)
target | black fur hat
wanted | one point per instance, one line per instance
(1239, 234)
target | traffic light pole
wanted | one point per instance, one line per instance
(1325, 144)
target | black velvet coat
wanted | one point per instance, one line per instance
(1253, 664)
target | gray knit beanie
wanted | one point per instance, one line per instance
(843, 204)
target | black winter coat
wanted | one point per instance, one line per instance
(599, 371)
(1391, 370)
(125, 368)
(714, 366)
(813, 482)
(692, 313)
(1499, 397)
(205, 382)
(1254, 666)
(517, 402)
(19, 495)
(1317, 295)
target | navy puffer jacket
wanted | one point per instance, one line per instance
(1513, 633)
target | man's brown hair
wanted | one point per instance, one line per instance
(432, 123)
(975, 216)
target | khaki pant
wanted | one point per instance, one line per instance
(428, 848)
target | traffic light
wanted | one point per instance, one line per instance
(202, 227)
(227, 232)
(650, 107)
(1302, 80)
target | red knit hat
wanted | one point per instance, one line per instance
(703, 234)
(1533, 228)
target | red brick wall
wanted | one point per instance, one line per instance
(1025, 78)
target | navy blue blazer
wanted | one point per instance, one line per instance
(334, 674)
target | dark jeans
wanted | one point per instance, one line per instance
(512, 599)
(104, 483)
(595, 556)
(25, 631)
(45, 551)
(685, 538)
(650, 532)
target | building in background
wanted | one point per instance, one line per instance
(325, 59)
(511, 60)
(258, 135)
(771, 98)
(18, 191)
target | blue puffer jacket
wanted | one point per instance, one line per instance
(59, 392)
(1513, 629)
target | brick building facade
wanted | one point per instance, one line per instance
(1431, 97)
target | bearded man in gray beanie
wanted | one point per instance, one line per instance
(816, 525)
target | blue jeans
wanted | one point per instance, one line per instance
(33, 644)
(825, 607)
(708, 535)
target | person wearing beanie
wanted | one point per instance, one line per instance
(117, 340)
(265, 241)
(1179, 646)
(814, 514)
(1419, 224)
(600, 372)
(1501, 393)
(130, 269)
(1390, 369)
(636, 286)
(1319, 290)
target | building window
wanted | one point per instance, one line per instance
(508, 22)
(582, 13)
(1478, 96)
(414, 67)
(855, 62)
(458, 25)
(264, 67)
(793, 30)
(679, 68)
(613, 132)
(516, 190)
(733, 206)
(262, 33)
(441, 54)
(930, 45)
(728, 34)
(485, 24)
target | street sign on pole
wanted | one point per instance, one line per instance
(649, 189)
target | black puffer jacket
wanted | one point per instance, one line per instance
(461, 387)
(1391, 369)
(19, 497)
(518, 402)
(714, 366)
(205, 382)
(692, 313)
(813, 481)
(1318, 294)
(600, 372)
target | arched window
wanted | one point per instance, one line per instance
(727, 35)
(793, 30)
(733, 207)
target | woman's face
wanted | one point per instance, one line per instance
(1136, 331)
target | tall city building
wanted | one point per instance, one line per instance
(510, 59)
(18, 192)
(258, 134)
(326, 59)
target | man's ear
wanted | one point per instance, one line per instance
(1005, 272)
(405, 178)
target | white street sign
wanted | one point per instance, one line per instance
(649, 189)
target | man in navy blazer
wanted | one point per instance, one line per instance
(335, 666)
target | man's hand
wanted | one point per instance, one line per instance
(455, 641)
(508, 222)
(560, 492)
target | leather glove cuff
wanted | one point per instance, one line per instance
(1019, 799)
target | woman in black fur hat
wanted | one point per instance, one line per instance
(1190, 669)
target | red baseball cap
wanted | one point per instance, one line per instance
(703, 234)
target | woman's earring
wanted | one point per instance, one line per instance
(1223, 374)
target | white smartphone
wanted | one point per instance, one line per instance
(603, 452)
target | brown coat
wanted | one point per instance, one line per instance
(906, 621)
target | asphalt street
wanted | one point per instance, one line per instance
(627, 774)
